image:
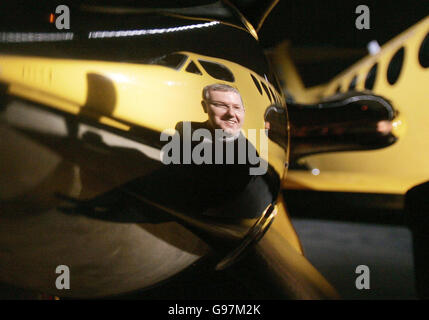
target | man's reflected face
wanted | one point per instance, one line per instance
(225, 111)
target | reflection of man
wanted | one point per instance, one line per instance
(225, 108)
(218, 140)
(213, 173)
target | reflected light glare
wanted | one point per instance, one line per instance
(143, 32)
(118, 77)
(15, 37)
(315, 172)
(396, 124)
(373, 47)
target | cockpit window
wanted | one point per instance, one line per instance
(192, 68)
(266, 91)
(217, 71)
(272, 94)
(258, 86)
(395, 66)
(353, 83)
(424, 52)
(370, 78)
(173, 60)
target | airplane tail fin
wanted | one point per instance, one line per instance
(287, 72)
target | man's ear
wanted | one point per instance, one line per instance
(203, 103)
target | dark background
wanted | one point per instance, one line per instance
(304, 23)
(311, 27)
(329, 27)
(332, 23)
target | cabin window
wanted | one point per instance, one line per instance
(266, 91)
(217, 71)
(395, 66)
(192, 68)
(258, 86)
(173, 60)
(371, 76)
(353, 83)
(272, 94)
(424, 52)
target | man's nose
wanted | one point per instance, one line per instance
(231, 111)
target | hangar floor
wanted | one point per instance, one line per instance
(336, 249)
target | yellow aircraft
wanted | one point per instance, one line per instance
(391, 176)
(84, 193)
(398, 72)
